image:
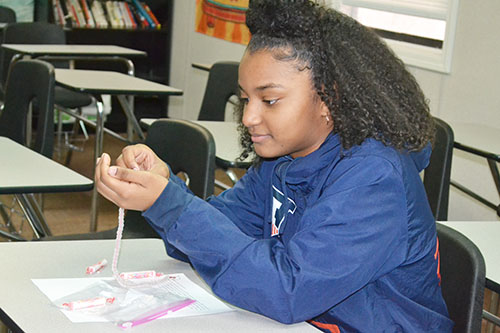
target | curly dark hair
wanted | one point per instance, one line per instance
(367, 89)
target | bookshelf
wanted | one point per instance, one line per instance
(155, 42)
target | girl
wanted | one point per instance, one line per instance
(331, 224)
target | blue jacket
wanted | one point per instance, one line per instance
(339, 237)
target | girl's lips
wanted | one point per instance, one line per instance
(258, 138)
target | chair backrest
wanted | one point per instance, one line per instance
(221, 85)
(30, 82)
(437, 174)
(7, 15)
(186, 147)
(29, 33)
(463, 276)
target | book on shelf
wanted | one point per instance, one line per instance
(130, 15)
(124, 14)
(99, 15)
(75, 22)
(141, 20)
(82, 22)
(142, 11)
(150, 13)
(59, 15)
(89, 17)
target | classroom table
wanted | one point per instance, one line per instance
(71, 53)
(76, 52)
(97, 83)
(483, 141)
(23, 170)
(24, 307)
(227, 148)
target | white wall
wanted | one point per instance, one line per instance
(471, 93)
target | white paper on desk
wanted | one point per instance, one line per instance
(176, 283)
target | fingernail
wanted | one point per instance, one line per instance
(136, 168)
(97, 161)
(112, 171)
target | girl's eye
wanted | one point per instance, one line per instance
(270, 101)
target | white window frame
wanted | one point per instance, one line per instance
(412, 54)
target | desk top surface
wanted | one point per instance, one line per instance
(29, 308)
(107, 82)
(485, 235)
(477, 136)
(74, 50)
(24, 171)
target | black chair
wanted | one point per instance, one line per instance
(222, 84)
(437, 174)
(7, 15)
(42, 33)
(30, 80)
(188, 148)
(463, 276)
(30, 85)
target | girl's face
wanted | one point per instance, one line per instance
(282, 111)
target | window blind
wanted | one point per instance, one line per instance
(434, 9)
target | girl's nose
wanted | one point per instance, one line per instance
(251, 115)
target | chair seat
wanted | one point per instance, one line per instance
(71, 99)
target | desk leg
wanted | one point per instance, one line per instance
(130, 116)
(97, 153)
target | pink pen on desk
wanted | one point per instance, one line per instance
(157, 313)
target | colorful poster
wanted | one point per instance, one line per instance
(223, 19)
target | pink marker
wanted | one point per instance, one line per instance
(155, 314)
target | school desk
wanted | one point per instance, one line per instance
(97, 83)
(482, 141)
(23, 170)
(24, 307)
(73, 53)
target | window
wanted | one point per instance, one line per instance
(421, 32)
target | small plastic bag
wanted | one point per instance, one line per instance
(139, 308)
(95, 299)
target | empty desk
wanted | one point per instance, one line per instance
(23, 170)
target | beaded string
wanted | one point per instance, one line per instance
(151, 278)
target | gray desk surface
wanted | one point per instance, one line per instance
(485, 235)
(73, 50)
(29, 308)
(225, 134)
(22, 170)
(107, 82)
(477, 136)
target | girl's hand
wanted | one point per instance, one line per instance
(141, 157)
(130, 189)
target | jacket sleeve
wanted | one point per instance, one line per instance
(354, 233)
(242, 205)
